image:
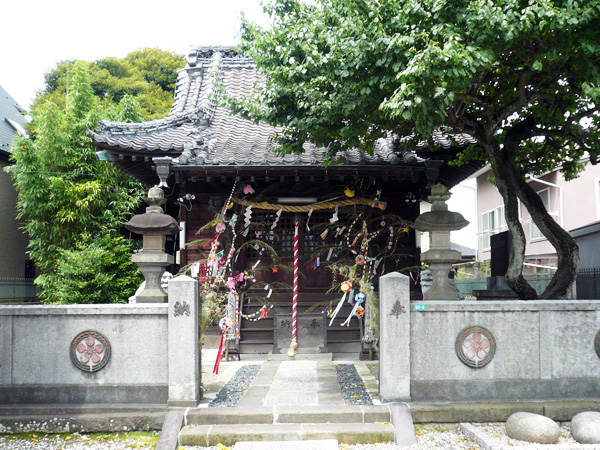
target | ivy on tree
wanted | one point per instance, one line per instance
(68, 199)
(522, 77)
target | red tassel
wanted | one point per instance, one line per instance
(219, 354)
(263, 312)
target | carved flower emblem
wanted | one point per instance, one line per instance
(476, 345)
(90, 349)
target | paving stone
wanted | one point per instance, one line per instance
(324, 444)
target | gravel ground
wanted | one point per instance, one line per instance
(497, 432)
(235, 388)
(352, 386)
(62, 442)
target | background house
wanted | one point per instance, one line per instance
(575, 205)
(15, 265)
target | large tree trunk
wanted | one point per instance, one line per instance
(565, 246)
(512, 185)
(506, 186)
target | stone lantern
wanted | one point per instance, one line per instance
(154, 226)
(439, 222)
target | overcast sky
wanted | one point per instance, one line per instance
(36, 34)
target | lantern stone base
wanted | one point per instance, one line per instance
(440, 263)
(153, 266)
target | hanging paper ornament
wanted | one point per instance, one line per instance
(360, 260)
(360, 312)
(247, 216)
(339, 306)
(220, 227)
(345, 286)
(230, 283)
(335, 217)
(349, 192)
(324, 234)
(360, 297)
(376, 199)
(275, 269)
(352, 313)
(225, 325)
(277, 216)
(308, 219)
(248, 189)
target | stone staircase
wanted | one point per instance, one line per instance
(258, 336)
(347, 424)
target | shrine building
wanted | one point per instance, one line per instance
(239, 204)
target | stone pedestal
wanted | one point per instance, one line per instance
(394, 338)
(183, 347)
(440, 262)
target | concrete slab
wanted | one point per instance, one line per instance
(323, 444)
(403, 424)
(224, 416)
(295, 383)
(170, 431)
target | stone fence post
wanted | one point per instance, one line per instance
(183, 347)
(394, 338)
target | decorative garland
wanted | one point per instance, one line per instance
(315, 206)
(258, 315)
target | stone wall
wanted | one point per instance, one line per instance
(472, 350)
(476, 350)
(102, 353)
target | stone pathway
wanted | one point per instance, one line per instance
(294, 383)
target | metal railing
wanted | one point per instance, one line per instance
(18, 291)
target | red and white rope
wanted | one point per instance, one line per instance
(295, 297)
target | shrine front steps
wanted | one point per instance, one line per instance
(347, 424)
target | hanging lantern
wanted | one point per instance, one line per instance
(360, 297)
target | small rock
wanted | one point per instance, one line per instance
(585, 427)
(532, 428)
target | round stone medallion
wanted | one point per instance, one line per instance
(90, 351)
(475, 346)
(597, 343)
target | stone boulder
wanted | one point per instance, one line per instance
(532, 428)
(585, 427)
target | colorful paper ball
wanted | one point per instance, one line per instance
(346, 286)
(360, 311)
(360, 260)
(360, 297)
(220, 227)
(225, 324)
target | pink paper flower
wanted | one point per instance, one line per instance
(248, 189)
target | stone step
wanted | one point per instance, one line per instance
(323, 444)
(289, 414)
(228, 435)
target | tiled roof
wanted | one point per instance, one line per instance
(201, 132)
(9, 111)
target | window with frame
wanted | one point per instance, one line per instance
(493, 222)
(535, 232)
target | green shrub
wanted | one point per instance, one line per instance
(98, 270)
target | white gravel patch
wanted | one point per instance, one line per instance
(495, 437)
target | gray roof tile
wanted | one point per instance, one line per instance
(205, 133)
